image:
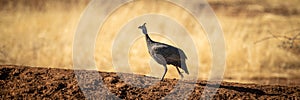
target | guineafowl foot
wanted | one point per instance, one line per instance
(181, 75)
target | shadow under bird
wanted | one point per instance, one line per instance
(165, 54)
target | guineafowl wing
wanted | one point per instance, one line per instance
(171, 55)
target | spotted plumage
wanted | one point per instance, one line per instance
(165, 54)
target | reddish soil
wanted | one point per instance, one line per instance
(48, 83)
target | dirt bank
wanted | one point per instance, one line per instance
(47, 83)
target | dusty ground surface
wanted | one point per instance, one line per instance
(47, 83)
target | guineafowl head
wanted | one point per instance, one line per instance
(143, 28)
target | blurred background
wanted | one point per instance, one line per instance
(262, 37)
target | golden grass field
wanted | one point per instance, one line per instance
(41, 32)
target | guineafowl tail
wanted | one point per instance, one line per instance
(183, 66)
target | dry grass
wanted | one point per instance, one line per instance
(38, 37)
(40, 33)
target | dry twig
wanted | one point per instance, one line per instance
(291, 40)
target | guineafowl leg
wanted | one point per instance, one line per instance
(166, 69)
(179, 72)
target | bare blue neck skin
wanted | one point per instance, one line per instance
(144, 30)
